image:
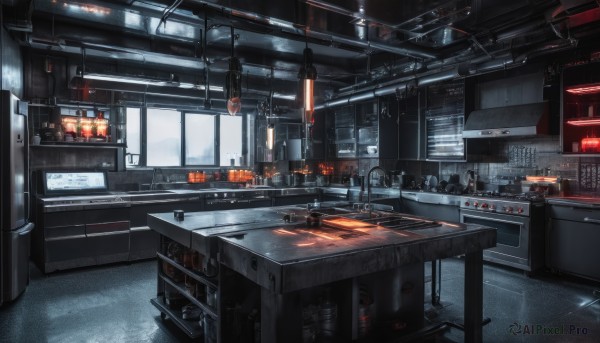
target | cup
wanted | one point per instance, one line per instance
(36, 140)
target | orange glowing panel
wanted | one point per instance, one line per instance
(285, 232)
(322, 235)
(309, 102)
(305, 244)
(101, 126)
(69, 124)
(347, 223)
(583, 90)
(590, 144)
(584, 122)
(449, 224)
(363, 229)
(86, 129)
(541, 178)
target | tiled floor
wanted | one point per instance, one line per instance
(543, 308)
(111, 304)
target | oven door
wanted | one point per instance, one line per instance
(512, 248)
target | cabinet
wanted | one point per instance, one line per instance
(353, 131)
(409, 127)
(185, 295)
(580, 110)
(318, 136)
(71, 239)
(287, 144)
(104, 156)
(342, 133)
(367, 129)
(572, 240)
(444, 122)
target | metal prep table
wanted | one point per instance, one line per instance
(287, 258)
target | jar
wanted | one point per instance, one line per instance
(36, 139)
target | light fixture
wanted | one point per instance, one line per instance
(307, 76)
(270, 126)
(270, 135)
(592, 88)
(584, 122)
(590, 144)
(171, 81)
(233, 82)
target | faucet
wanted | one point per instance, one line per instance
(153, 183)
(369, 184)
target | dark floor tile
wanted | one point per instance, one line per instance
(111, 304)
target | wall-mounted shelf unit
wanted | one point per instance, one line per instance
(580, 112)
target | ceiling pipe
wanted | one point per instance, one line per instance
(460, 70)
(174, 91)
(302, 34)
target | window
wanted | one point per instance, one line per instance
(231, 139)
(134, 136)
(172, 138)
(163, 139)
(199, 139)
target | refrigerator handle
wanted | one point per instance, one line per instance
(26, 229)
(27, 206)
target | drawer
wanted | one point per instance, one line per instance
(577, 214)
(104, 228)
(64, 232)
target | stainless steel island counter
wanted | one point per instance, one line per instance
(335, 259)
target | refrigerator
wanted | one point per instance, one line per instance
(15, 228)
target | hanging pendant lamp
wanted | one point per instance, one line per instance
(233, 83)
(307, 76)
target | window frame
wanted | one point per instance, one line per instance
(216, 141)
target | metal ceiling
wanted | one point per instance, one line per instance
(359, 46)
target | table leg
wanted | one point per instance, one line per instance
(473, 297)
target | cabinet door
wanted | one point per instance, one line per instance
(318, 135)
(343, 133)
(410, 140)
(573, 247)
(388, 128)
(367, 129)
(444, 121)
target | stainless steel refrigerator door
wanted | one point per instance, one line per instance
(16, 262)
(15, 178)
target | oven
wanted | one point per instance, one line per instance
(519, 227)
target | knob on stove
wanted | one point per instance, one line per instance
(475, 204)
(484, 205)
(520, 210)
(467, 203)
(509, 209)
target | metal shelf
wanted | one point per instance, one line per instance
(191, 328)
(56, 145)
(180, 289)
(200, 278)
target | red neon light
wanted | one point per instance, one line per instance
(582, 90)
(584, 122)
(590, 144)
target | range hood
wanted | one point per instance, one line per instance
(509, 121)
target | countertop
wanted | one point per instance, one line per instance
(575, 200)
(246, 234)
